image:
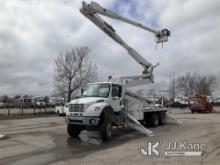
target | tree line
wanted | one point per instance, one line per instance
(8, 99)
(191, 84)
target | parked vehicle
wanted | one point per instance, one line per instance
(61, 109)
(201, 104)
(54, 101)
(40, 104)
(2, 105)
(178, 104)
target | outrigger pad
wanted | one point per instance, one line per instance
(90, 137)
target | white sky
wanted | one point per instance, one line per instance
(34, 32)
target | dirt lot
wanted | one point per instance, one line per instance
(45, 141)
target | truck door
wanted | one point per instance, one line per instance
(116, 97)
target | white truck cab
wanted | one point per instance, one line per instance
(95, 97)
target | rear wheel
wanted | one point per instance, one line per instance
(152, 119)
(162, 118)
(73, 130)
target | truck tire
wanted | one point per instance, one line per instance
(153, 119)
(162, 118)
(73, 130)
(105, 127)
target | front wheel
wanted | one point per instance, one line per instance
(105, 125)
(73, 130)
(105, 129)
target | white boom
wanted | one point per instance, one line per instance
(92, 10)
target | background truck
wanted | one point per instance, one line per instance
(61, 109)
(200, 104)
(107, 104)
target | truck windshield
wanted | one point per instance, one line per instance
(96, 90)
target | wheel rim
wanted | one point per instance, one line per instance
(109, 129)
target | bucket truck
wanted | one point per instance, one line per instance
(104, 105)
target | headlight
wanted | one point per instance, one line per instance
(97, 108)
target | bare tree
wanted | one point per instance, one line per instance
(186, 84)
(173, 87)
(205, 85)
(190, 84)
(73, 69)
(17, 97)
(4, 98)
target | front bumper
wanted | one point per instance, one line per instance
(82, 120)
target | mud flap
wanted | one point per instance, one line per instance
(135, 124)
(173, 119)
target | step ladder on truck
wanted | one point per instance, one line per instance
(104, 105)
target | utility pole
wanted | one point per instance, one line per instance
(173, 87)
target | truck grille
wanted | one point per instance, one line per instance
(76, 107)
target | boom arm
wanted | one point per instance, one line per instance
(92, 10)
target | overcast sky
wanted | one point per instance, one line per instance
(34, 32)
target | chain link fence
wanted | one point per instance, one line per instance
(25, 111)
